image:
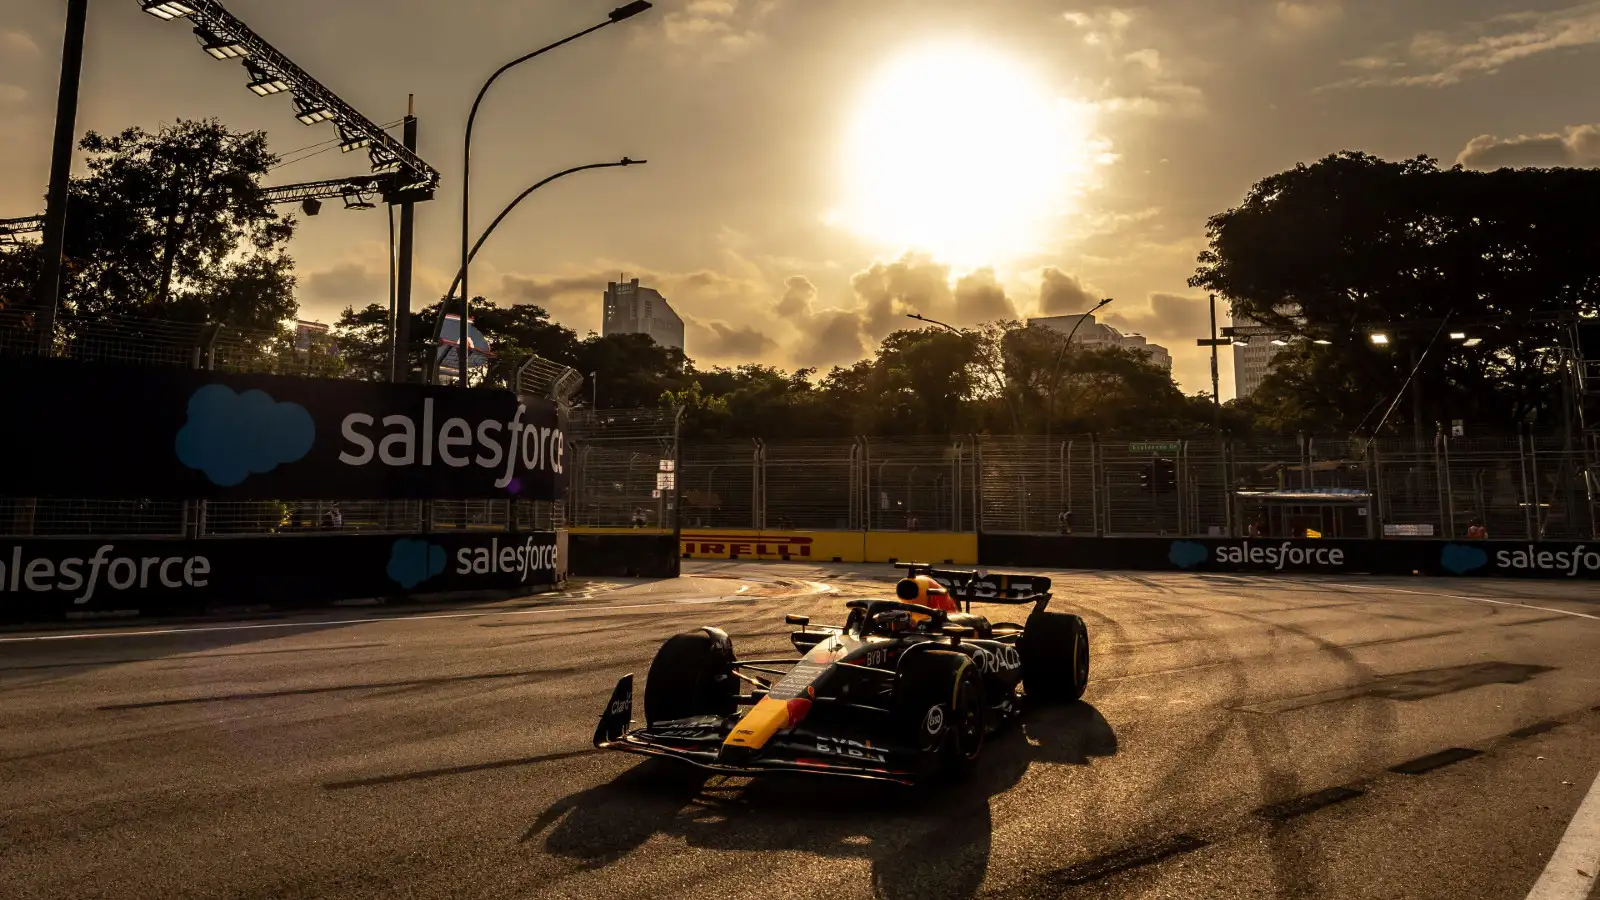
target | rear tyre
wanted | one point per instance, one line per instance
(939, 705)
(1055, 656)
(692, 675)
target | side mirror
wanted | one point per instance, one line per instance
(802, 621)
(856, 604)
(957, 632)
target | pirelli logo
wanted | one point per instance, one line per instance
(736, 545)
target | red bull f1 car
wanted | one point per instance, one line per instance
(905, 689)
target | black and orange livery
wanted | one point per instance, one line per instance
(905, 688)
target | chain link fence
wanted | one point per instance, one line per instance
(1524, 487)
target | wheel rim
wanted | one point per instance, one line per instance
(969, 720)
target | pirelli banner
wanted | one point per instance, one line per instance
(48, 579)
(88, 430)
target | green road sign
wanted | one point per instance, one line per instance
(1155, 447)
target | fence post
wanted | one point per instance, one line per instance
(1538, 508)
(978, 487)
(1223, 446)
(1094, 483)
(1067, 476)
(1449, 488)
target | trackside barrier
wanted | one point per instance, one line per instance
(54, 579)
(1474, 559)
(828, 546)
(621, 553)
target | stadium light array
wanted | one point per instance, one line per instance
(166, 10)
(349, 141)
(310, 112)
(224, 36)
(1379, 338)
(220, 47)
(263, 83)
(1472, 342)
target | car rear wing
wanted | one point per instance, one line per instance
(969, 586)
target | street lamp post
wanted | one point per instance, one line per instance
(48, 296)
(1055, 372)
(1000, 381)
(450, 296)
(617, 15)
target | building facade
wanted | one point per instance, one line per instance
(1253, 359)
(631, 309)
(1096, 334)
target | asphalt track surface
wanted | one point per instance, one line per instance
(1241, 737)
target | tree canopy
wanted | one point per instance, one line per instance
(1333, 249)
(169, 225)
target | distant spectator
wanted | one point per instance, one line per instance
(1257, 528)
(639, 520)
(913, 523)
(1476, 531)
(332, 517)
(1064, 521)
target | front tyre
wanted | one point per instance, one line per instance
(939, 705)
(692, 675)
(1055, 656)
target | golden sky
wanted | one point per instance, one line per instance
(820, 167)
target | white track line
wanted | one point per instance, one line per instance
(1395, 590)
(1570, 874)
(319, 622)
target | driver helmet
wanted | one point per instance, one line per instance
(895, 621)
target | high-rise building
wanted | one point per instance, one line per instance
(1095, 334)
(1252, 360)
(631, 309)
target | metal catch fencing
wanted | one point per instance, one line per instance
(1530, 486)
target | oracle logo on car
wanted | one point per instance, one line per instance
(735, 545)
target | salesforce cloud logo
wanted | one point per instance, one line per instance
(1462, 559)
(231, 436)
(411, 562)
(1187, 554)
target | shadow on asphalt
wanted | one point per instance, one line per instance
(931, 841)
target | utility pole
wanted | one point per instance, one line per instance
(1216, 405)
(408, 228)
(48, 296)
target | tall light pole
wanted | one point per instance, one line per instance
(617, 15)
(431, 373)
(1055, 371)
(48, 296)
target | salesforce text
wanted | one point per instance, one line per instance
(1278, 557)
(535, 447)
(120, 572)
(524, 560)
(1568, 561)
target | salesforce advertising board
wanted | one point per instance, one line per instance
(146, 433)
(86, 578)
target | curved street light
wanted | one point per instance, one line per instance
(625, 161)
(1055, 371)
(450, 295)
(1000, 381)
(619, 14)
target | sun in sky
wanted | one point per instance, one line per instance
(959, 151)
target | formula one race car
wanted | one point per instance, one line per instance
(906, 688)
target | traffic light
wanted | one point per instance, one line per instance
(1166, 476)
(1147, 481)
